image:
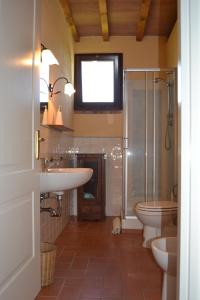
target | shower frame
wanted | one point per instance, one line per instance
(125, 135)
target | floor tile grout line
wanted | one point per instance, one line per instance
(112, 262)
(60, 291)
(60, 252)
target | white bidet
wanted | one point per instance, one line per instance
(165, 253)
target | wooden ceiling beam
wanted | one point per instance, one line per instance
(143, 17)
(104, 19)
(69, 18)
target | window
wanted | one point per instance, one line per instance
(98, 82)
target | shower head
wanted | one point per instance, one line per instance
(159, 79)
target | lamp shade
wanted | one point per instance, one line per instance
(45, 116)
(69, 89)
(59, 119)
(49, 58)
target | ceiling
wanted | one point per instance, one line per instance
(106, 18)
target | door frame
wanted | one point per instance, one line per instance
(189, 145)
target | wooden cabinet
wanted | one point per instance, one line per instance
(91, 196)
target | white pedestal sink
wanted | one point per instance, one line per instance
(59, 179)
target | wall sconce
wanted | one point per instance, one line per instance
(69, 89)
(48, 57)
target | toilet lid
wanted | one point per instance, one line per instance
(157, 205)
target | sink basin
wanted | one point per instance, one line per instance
(58, 179)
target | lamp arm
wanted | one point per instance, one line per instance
(43, 47)
(51, 86)
(48, 86)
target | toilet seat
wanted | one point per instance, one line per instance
(155, 216)
(157, 206)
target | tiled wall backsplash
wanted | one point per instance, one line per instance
(56, 145)
(51, 227)
(112, 147)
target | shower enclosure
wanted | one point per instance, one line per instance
(150, 137)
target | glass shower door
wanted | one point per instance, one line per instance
(135, 148)
(148, 166)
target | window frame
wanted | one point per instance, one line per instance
(117, 105)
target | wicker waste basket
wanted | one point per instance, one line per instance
(48, 257)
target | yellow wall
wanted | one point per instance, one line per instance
(172, 48)
(98, 125)
(151, 52)
(56, 35)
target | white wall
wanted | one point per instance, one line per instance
(56, 36)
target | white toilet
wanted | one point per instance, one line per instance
(165, 253)
(155, 216)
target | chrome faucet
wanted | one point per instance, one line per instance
(53, 162)
(46, 163)
(52, 211)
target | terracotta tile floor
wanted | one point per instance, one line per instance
(92, 264)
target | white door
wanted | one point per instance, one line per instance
(19, 182)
